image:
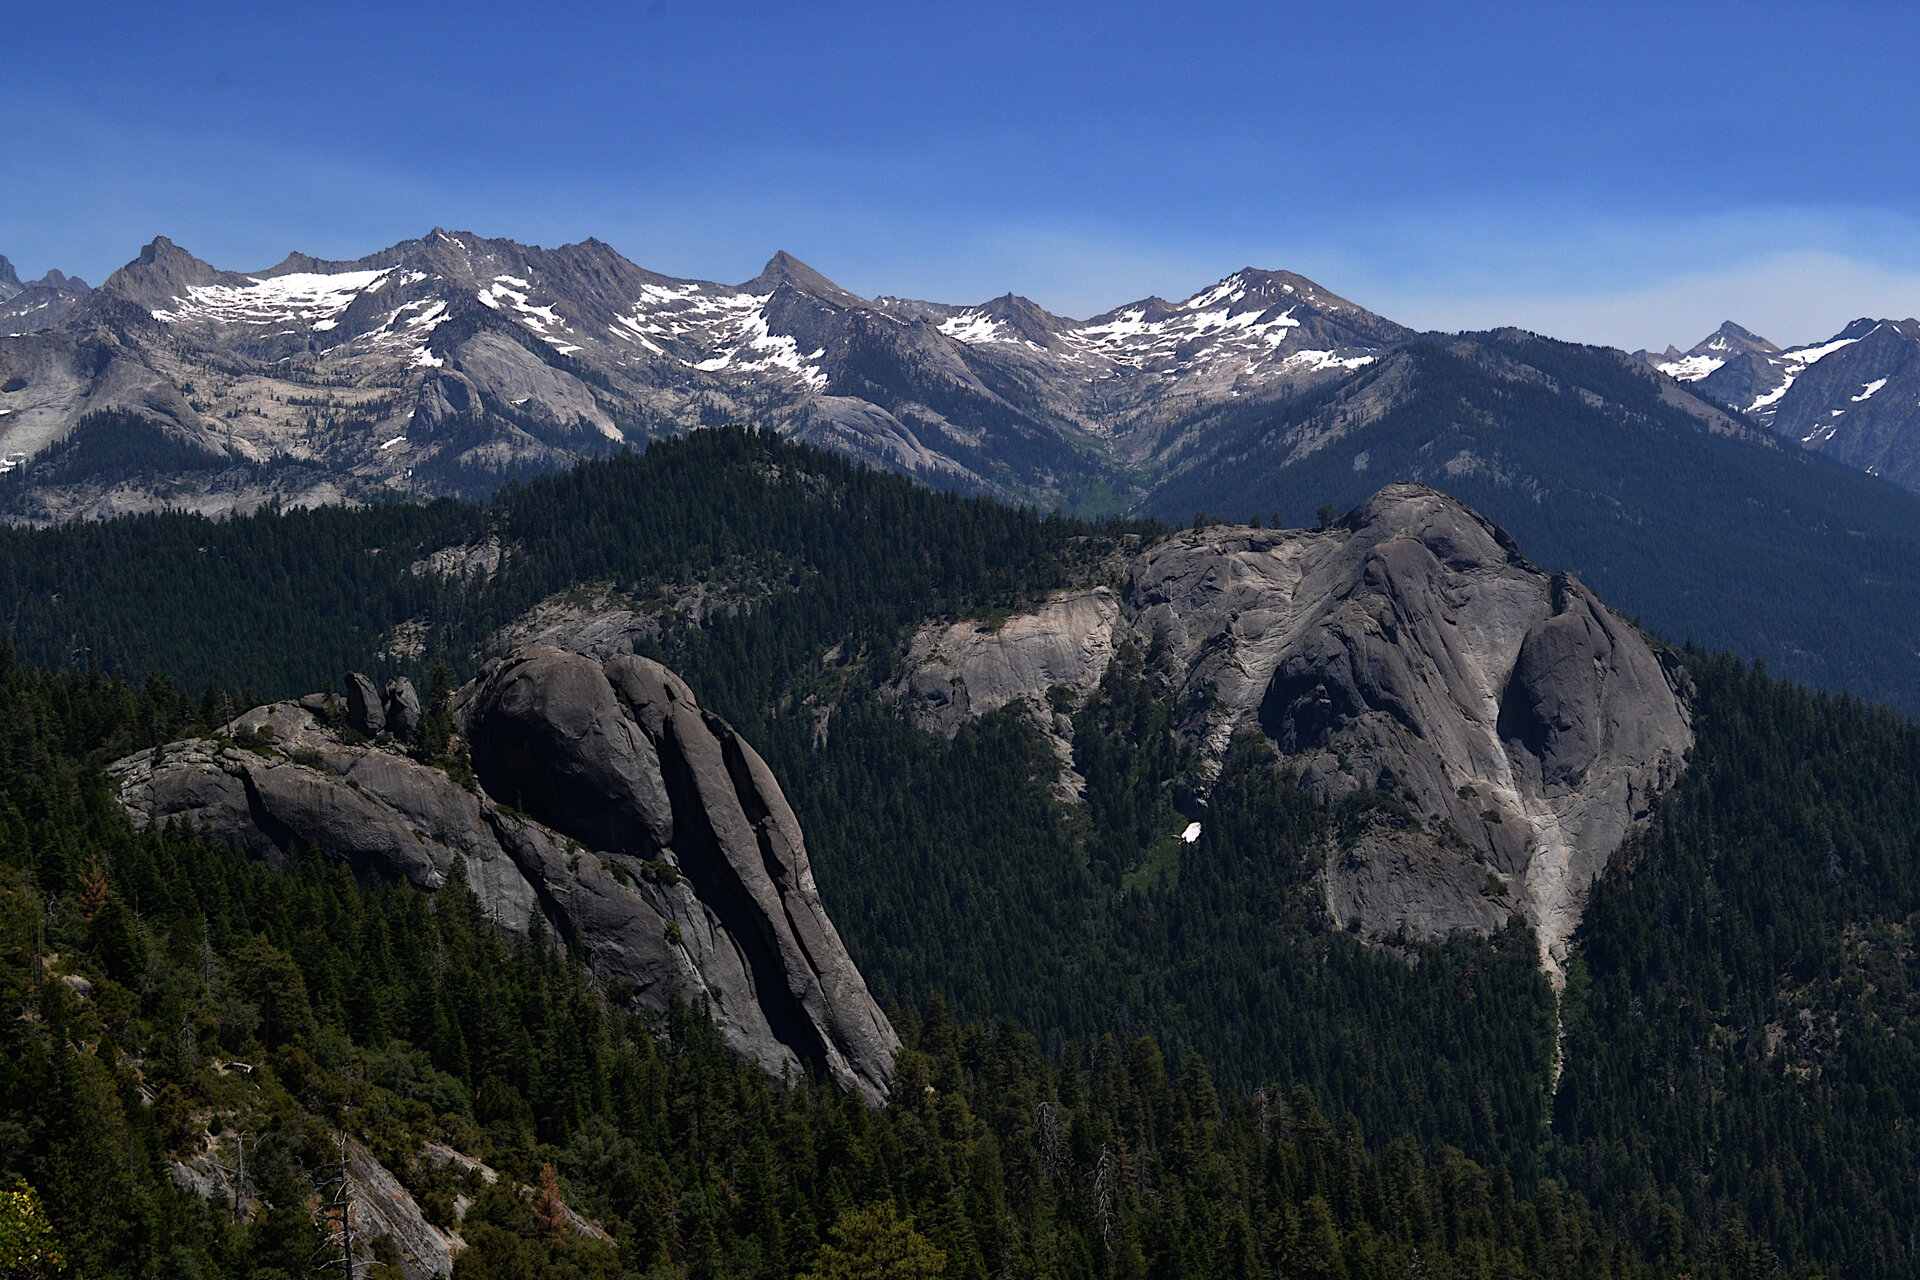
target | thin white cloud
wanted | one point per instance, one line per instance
(1072, 273)
(1792, 274)
(1790, 298)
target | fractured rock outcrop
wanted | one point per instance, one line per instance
(967, 669)
(382, 1205)
(1409, 648)
(611, 804)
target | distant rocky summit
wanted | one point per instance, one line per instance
(1851, 396)
(608, 803)
(1409, 648)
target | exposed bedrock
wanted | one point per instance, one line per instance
(609, 803)
(1410, 648)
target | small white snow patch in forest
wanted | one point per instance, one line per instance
(1191, 835)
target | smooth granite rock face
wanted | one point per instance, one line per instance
(967, 669)
(610, 804)
(1409, 648)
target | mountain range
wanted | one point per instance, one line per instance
(30, 305)
(453, 362)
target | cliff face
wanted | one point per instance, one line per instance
(1411, 649)
(609, 803)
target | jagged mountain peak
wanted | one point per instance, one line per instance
(161, 250)
(56, 279)
(1868, 333)
(34, 305)
(1252, 286)
(1736, 334)
(1284, 312)
(1151, 309)
(1861, 328)
(1014, 316)
(162, 273)
(1729, 342)
(298, 263)
(784, 268)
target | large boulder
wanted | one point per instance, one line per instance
(402, 708)
(366, 711)
(637, 824)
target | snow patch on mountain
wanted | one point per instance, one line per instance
(711, 328)
(761, 351)
(1130, 338)
(1691, 368)
(1804, 356)
(972, 327)
(541, 320)
(1796, 362)
(308, 298)
(1318, 360)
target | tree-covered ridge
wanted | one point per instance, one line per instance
(163, 995)
(1742, 1039)
(275, 602)
(281, 602)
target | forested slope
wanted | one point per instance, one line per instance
(1744, 1022)
(281, 602)
(1739, 1045)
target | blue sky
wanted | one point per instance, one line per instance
(1624, 173)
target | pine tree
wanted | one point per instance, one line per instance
(875, 1243)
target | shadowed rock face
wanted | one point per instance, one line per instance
(610, 804)
(1410, 648)
(365, 711)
